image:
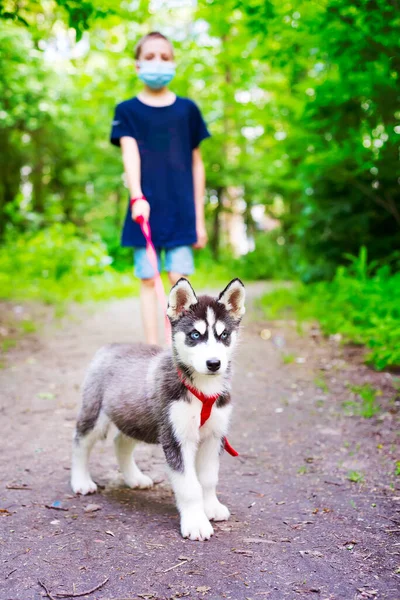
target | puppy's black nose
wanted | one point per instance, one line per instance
(213, 364)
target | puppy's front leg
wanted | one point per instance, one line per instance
(207, 463)
(179, 442)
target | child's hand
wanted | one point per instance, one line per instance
(141, 208)
(201, 236)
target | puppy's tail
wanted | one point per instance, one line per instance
(92, 398)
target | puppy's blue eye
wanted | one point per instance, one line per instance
(224, 335)
(195, 335)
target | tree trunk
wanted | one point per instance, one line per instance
(10, 177)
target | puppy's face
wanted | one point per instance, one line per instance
(204, 329)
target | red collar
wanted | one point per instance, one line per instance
(208, 403)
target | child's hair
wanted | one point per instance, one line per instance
(153, 35)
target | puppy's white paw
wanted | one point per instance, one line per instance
(216, 511)
(196, 526)
(83, 485)
(140, 481)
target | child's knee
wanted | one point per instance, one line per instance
(148, 283)
(175, 277)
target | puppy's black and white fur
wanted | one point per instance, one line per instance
(137, 389)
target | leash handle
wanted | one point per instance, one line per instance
(152, 256)
(135, 199)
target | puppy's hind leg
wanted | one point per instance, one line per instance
(81, 481)
(133, 476)
(84, 440)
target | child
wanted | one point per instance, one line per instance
(159, 134)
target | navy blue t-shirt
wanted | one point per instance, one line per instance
(166, 137)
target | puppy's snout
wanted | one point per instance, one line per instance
(213, 364)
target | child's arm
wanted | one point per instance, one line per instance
(199, 182)
(131, 160)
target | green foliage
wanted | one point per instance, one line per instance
(210, 274)
(366, 405)
(302, 103)
(320, 382)
(288, 359)
(355, 477)
(58, 265)
(362, 303)
(269, 259)
(8, 343)
(78, 14)
(28, 326)
(335, 110)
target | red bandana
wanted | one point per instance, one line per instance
(208, 403)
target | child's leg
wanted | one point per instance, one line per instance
(148, 297)
(179, 263)
(174, 277)
(148, 305)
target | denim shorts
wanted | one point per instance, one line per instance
(176, 260)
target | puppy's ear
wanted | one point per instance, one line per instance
(233, 298)
(180, 298)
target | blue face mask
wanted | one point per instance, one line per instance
(156, 74)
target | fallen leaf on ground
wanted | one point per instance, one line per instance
(265, 334)
(46, 395)
(92, 508)
(17, 486)
(203, 589)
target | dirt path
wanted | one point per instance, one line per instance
(299, 526)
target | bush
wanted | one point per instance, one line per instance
(269, 259)
(56, 265)
(362, 303)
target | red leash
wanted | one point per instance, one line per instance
(208, 403)
(152, 256)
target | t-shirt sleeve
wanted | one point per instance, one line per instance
(122, 125)
(198, 127)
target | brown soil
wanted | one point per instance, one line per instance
(299, 526)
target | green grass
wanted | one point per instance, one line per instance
(365, 404)
(320, 382)
(8, 344)
(288, 359)
(355, 477)
(28, 326)
(368, 407)
(361, 303)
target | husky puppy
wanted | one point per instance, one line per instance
(143, 391)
